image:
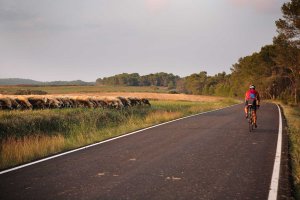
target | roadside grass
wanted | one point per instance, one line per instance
(292, 114)
(31, 135)
(20, 150)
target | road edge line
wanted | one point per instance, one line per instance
(273, 192)
(108, 140)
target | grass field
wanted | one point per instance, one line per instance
(81, 89)
(157, 96)
(29, 135)
(292, 115)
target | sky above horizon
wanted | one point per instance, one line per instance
(48, 40)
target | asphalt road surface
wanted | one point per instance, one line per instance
(209, 156)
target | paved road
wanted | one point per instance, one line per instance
(210, 156)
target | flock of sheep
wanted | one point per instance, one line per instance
(52, 102)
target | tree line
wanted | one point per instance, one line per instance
(275, 69)
(158, 79)
(194, 84)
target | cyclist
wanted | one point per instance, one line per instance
(252, 98)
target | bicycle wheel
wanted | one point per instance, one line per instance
(250, 125)
(250, 121)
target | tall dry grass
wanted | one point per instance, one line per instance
(161, 116)
(292, 115)
(20, 150)
(157, 96)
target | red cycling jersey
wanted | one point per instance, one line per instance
(252, 94)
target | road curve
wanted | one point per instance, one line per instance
(209, 156)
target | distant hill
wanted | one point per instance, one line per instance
(20, 81)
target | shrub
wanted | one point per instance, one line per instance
(28, 92)
(173, 92)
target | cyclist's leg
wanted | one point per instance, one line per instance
(246, 109)
(254, 114)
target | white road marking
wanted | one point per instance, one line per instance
(105, 141)
(101, 174)
(173, 178)
(276, 169)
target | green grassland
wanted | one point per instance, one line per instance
(33, 134)
(292, 114)
(82, 89)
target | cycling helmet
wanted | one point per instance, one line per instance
(252, 87)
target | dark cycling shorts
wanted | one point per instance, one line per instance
(251, 102)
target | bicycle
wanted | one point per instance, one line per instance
(250, 117)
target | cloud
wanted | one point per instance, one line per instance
(157, 5)
(259, 5)
(16, 15)
(12, 16)
(12, 13)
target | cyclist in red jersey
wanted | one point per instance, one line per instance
(252, 98)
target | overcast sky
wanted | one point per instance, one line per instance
(50, 40)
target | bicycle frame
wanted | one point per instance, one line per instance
(250, 118)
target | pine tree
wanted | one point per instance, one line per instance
(288, 43)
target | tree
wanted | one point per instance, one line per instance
(288, 59)
(260, 69)
(171, 85)
(133, 79)
(195, 83)
(289, 26)
(288, 43)
(180, 86)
